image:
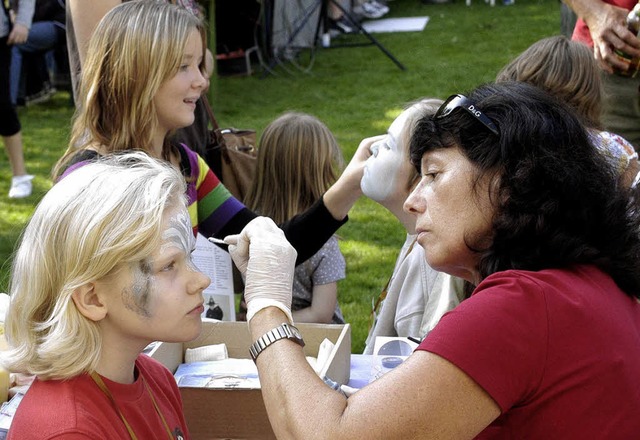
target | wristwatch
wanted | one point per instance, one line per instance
(283, 331)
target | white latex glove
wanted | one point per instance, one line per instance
(267, 260)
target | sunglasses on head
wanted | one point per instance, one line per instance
(460, 101)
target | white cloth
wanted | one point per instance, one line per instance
(417, 297)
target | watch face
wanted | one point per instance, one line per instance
(295, 332)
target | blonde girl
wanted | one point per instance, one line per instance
(140, 82)
(92, 284)
(298, 160)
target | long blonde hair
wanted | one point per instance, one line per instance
(564, 68)
(96, 220)
(137, 46)
(298, 159)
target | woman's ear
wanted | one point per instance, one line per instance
(88, 302)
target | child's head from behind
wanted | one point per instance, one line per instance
(136, 48)
(298, 160)
(564, 68)
(95, 239)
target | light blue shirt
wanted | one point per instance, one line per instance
(24, 16)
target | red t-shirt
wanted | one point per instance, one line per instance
(78, 409)
(581, 31)
(558, 350)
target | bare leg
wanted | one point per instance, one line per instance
(13, 145)
(21, 181)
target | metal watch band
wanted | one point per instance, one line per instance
(283, 331)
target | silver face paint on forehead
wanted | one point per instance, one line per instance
(179, 234)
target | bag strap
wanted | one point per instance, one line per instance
(209, 110)
(216, 132)
(216, 150)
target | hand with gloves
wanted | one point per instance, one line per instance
(267, 260)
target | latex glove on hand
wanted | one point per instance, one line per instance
(267, 260)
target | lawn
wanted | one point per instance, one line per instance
(356, 91)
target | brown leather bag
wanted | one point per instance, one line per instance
(231, 154)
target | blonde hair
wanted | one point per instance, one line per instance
(298, 159)
(425, 107)
(96, 220)
(136, 47)
(564, 68)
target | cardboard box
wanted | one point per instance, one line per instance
(240, 413)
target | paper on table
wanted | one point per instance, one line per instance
(216, 264)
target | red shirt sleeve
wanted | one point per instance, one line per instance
(498, 337)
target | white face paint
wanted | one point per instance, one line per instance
(160, 298)
(388, 171)
(179, 234)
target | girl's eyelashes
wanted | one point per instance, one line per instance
(169, 266)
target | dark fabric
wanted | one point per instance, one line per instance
(83, 156)
(9, 122)
(50, 10)
(235, 24)
(309, 231)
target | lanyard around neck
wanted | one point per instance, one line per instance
(98, 380)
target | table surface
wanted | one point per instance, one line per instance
(366, 368)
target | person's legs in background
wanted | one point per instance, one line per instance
(338, 20)
(370, 8)
(621, 107)
(10, 129)
(43, 36)
(356, 11)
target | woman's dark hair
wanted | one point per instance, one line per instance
(557, 200)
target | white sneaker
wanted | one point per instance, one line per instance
(20, 186)
(372, 9)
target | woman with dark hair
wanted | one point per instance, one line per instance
(513, 198)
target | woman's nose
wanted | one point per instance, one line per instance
(415, 202)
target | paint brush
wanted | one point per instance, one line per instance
(217, 241)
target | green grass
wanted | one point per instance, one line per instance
(356, 91)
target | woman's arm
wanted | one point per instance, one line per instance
(323, 305)
(425, 397)
(343, 194)
(606, 24)
(309, 231)
(22, 23)
(86, 14)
